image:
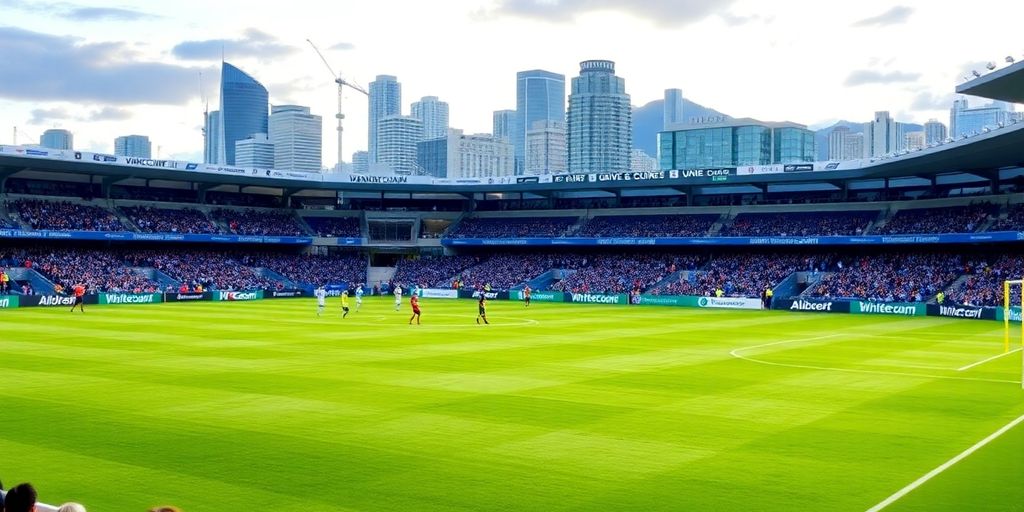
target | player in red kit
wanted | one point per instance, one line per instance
(79, 298)
(414, 301)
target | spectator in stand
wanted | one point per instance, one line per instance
(260, 223)
(984, 283)
(1014, 220)
(840, 223)
(954, 219)
(21, 498)
(623, 273)
(494, 227)
(744, 275)
(163, 220)
(64, 216)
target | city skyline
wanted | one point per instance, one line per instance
(145, 78)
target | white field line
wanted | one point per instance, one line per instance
(736, 353)
(948, 464)
(990, 359)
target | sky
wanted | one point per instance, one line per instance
(104, 69)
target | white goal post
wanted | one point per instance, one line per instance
(1007, 287)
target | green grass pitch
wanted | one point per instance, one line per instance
(262, 405)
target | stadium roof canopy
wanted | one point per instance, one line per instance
(1005, 84)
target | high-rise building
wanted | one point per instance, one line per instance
(397, 137)
(673, 113)
(433, 113)
(211, 153)
(934, 132)
(734, 143)
(504, 124)
(244, 106)
(853, 146)
(255, 151)
(385, 101)
(913, 141)
(297, 136)
(640, 161)
(546, 148)
(965, 121)
(361, 162)
(837, 143)
(133, 145)
(56, 138)
(540, 96)
(466, 156)
(882, 136)
(600, 120)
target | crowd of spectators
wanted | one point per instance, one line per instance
(649, 225)
(623, 273)
(260, 222)
(205, 270)
(505, 271)
(433, 271)
(950, 219)
(909, 277)
(313, 269)
(515, 227)
(837, 223)
(1014, 220)
(346, 227)
(162, 220)
(64, 216)
(744, 275)
(98, 270)
(984, 283)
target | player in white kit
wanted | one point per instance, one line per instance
(359, 297)
(321, 300)
(398, 297)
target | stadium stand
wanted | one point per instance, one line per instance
(62, 215)
(513, 227)
(983, 285)
(433, 271)
(264, 222)
(505, 271)
(744, 275)
(166, 220)
(1014, 220)
(347, 227)
(623, 273)
(832, 223)
(908, 277)
(649, 225)
(955, 219)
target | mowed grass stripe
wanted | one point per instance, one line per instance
(563, 407)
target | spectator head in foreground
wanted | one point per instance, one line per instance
(21, 498)
(165, 509)
(71, 507)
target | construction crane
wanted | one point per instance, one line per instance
(342, 83)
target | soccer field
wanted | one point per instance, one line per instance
(262, 405)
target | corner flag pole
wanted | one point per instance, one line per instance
(1006, 316)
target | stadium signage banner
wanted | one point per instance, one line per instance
(153, 237)
(187, 296)
(29, 301)
(728, 303)
(283, 294)
(812, 305)
(439, 293)
(969, 238)
(474, 294)
(8, 301)
(666, 300)
(956, 311)
(597, 298)
(536, 296)
(888, 308)
(239, 296)
(129, 298)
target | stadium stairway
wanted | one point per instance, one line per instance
(155, 275)
(270, 274)
(948, 289)
(674, 277)
(40, 284)
(123, 217)
(790, 286)
(301, 221)
(376, 275)
(545, 280)
(812, 279)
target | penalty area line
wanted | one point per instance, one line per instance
(948, 464)
(988, 360)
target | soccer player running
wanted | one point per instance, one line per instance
(79, 291)
(526, 295)
(398, 297)
(321, 299)
(359, 297)
(482, 309)
(414, 301)
(344, 304)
